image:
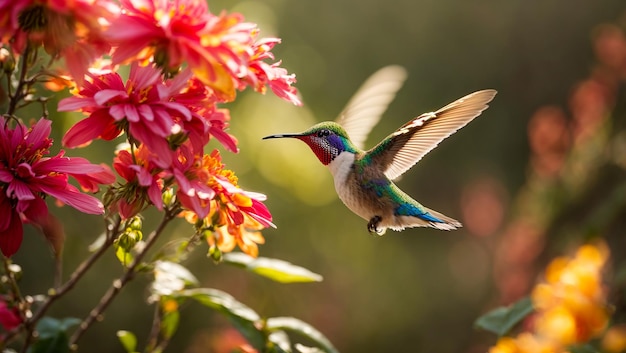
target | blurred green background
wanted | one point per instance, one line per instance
(415, 291)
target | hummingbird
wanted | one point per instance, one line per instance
(364, 178)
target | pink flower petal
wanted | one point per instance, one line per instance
(71, 196)
(11, 237)
(87, 130)
(5, 209)
(118, 112)
(37, 211)
(130, 112)
(104, 96)
(20, 190)
(156, 196)
(9, 318)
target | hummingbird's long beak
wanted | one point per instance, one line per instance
(281, 136)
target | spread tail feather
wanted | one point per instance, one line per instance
(446, 223)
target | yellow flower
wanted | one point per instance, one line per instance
(557, 324)
(524, 343)
(571, 306)
(529, 343)
(505, 345)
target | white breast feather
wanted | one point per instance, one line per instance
(340, 168)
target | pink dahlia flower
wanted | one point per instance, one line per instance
(72, 30)
(144, 182)
(207, 189)
(27, 177)
(221, 50)
(142, 105)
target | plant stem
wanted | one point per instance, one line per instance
(15, 289)
(111, 233)
(19, 90)
(153, 338)
(119, 283)
(24, 307)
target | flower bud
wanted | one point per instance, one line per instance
(215, 253)
(168, 196)
(7, 61)
(135, 223)
(129, 239)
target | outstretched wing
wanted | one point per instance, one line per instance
(366, 107)
(407, 145)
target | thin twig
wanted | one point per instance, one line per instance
(153, 338)
(162, 345)
(111, 234)
(17, 297)
(119, 283)
(58, 271)
(19, 90)
(15, 289)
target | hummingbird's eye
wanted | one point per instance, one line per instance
(323, 133)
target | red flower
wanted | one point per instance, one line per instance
(143, 104)
(207, 120)
(222, 51)
(209, 190)
(9, 317)
(72, 30)
(26, 177)
(152, 111)
(144, 181)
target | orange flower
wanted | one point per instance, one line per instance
(72, 30)
(245, 235)
(524, 343)
(571, 305)
(222, 51)
(233, 215)
(614, 340)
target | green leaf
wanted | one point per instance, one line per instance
(128, 340)
(50, 327)
(220, 301)
(279, 342)
(238, 259)
(501, 320)
(169, 323)
(304, 349)
(53, 337)
(277, 270)
(170, 277)
(59, 343)
(302, 328)
(242, 317)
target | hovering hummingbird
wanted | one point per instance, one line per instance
(363, 179)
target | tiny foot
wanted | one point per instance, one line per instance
(372, 225)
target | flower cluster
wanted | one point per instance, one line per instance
(185, 62)
(28, 175)
(222, 50)
(570, 305)
(169, 122)
(71, 30)
(567, 151)
(233, 215)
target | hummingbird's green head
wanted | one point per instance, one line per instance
(327, 140)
